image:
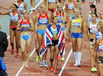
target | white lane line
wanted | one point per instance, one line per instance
(65, 62)
(17, 74)
(38, 4)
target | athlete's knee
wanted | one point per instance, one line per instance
(92, 54)
(79, 48)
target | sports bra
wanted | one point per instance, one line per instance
(71, 5)
(43, 20)
(21, 6)
(54, 30)
(93, 28)
(25, 24)
(60, 17)
(14, 17)
(52, 1)
(76, 23)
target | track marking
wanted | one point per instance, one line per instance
(17, 74)
(65, 62)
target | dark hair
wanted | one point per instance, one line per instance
(15, 5)
(93, 6)
(22, 0)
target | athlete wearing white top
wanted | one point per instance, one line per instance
(93, 28)
(14, 17)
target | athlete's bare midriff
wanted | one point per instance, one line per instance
(13, 23)
(26, 32)
(92, 36)
(42, 27)
(76, 30)
(55, 37)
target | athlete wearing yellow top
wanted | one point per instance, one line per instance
(77, 25)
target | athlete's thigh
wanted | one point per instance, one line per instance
(11, 35)
(52, 48)
(29, 42)
(40, 38)
(23, 44)
(18, 36)
(79, 43)
(74, 42)
(56, 50)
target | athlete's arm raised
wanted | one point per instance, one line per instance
(4, 13)
(7, 7)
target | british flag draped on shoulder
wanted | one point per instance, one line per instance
(47, 40)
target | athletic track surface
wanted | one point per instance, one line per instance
(15, 63)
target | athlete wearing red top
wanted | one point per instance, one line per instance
(26, 27)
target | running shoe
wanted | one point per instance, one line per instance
(63, 59)
(17, 54)
(55, 71)
(41, 64)
(51, 68)
(45, 64)
(59, 57)
(12, 51)
(94, 69)
(77, 65)
(23, 64)
(37, 58)
(26, 65)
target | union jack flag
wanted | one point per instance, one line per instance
(47, 40)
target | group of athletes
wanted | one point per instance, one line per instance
(66, 14)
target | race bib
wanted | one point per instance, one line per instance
(14, 18)
(76, 24)
(43, 20)
(25, 25)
